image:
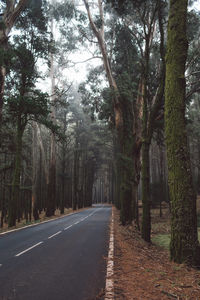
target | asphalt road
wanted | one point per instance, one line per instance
(61, 259)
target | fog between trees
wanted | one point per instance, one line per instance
(67, 144)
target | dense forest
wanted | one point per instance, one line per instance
(124, 129)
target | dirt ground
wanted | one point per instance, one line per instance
(144, 271)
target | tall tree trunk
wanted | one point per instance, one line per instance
(76, 177)
(3, 202)
(15, 195)
(149, 116)
(51, 192)
(184, 241)
(126, 179)
(35, 172)
(125, 175)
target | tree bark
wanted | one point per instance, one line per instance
(15, 196)
(184, 245)
(35, 160)
(51, 192)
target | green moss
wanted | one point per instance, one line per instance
(198, 220)
(162, 240)
(184, 241)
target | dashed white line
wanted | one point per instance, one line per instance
(111, 242)
(28, 249)
(50, 237)
(109, 295)
(68, 227)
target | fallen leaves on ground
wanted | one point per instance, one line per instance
(144, 271)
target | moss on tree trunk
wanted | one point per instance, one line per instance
(184, 240)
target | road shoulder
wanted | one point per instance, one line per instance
(144, 271)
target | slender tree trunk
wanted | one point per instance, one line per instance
(14, 200)
(76, 176)
(146, 215)
(184, 241)
(35, 173)
(3, 202)
(161, 178)
(51, 192)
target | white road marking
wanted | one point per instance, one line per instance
(109, 293)
(36, 224)
(50, 237)
(28, 249)
(1, 265)
(81, 220)
(68, 227)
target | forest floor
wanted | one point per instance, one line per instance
(144, 271)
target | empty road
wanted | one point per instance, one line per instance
(60, 259)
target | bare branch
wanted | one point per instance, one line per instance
(94, 28)
(13, 12)
(94, 57)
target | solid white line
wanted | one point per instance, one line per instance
(28, 249)
(1, 265)
(54, 234)
(77, 222)
(109, 292)
(68, 227)
(42, 222)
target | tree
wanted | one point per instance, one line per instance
(12, 10)
(184, 245)
(123, 121)
(24, 102)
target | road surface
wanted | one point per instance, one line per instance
(61, 259)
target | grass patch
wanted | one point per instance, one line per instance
(162, 240)
(198, 219)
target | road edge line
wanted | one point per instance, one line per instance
(42, 222)
(109, 289)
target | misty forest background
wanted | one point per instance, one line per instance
(68, 142)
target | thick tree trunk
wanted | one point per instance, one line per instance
(126, 180)
(184, 240)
